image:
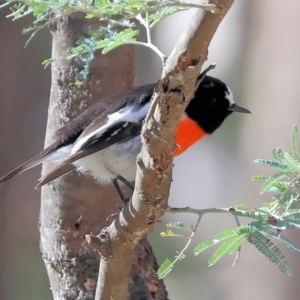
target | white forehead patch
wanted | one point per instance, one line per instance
(229, 96)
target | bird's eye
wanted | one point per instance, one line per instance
(213, 102)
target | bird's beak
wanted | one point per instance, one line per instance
(240, 109)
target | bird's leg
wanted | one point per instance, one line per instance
(118, 188)
(126, 182)
(124, 200)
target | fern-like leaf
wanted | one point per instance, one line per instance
(203, 246)
(222, 236)
(169, 233)
(294, 142)
(260, 178)
(228, 247)
(293, 164)
(294, 223)
(286, 269)
(164, 269)
(271, 181)
(280, 237)
(177, 225)
(162, 13)
(264, 245)
(277, 153)
(241, 207)
(271, 163)
(126, 36)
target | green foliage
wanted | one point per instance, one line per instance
(178, 225)
(268, 221)
(167, 265)
(164, 269)
(119, 18)
(157, 16)
(101, 9)
(271, 251)
(87, 46)
(294, 143)
(169, 233)
(285, 192)
(230, 238)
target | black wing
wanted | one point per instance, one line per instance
(70, 132)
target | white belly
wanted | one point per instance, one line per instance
(118, 159)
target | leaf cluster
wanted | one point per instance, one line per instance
(119, 19)
(268, 221)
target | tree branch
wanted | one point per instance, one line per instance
(155, 162)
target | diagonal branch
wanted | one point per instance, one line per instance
(155, 162)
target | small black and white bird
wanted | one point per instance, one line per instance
(105, 142)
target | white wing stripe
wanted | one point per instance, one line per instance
(131, 114)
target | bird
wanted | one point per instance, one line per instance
(105, 142)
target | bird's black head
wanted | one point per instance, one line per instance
(212, 103)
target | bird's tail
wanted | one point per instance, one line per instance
(25, 166)
(47, 155)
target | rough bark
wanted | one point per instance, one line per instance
(154, 173)
(143, 282)
(75, 205)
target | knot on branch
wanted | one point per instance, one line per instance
(101, 243)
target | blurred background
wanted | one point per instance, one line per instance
(257, 52)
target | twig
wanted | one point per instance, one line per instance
(180, 255)
(155, 162)
(151, 46)
(4, 4)
(238, 252)
(216, 210)
(201, 212)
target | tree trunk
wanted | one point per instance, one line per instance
(75, 205)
